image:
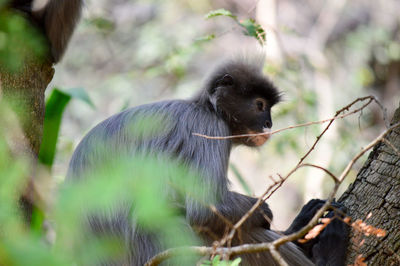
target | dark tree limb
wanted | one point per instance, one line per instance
(376, 190)
(24, 91)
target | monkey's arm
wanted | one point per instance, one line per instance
(229, 211)
(242, 204)
(234, 206)
(305, 215)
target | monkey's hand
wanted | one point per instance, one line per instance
(305, 215)
(329, 248)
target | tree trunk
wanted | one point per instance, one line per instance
(377, 190)
(24, 90)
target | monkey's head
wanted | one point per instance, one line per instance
(243, 97)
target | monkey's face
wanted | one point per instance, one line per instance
(244, 99)
(250, 115)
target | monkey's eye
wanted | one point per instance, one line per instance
(260, 104)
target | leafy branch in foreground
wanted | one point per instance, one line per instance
(250, 26)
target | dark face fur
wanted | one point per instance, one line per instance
(244, 97)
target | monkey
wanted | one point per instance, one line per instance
(236, 99)
(55, 18)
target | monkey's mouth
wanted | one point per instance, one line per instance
(256, 141)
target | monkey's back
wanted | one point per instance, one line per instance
(161, 128)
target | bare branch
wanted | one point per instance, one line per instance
(335, 179)
(337, 116)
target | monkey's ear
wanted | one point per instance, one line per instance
(226, 80)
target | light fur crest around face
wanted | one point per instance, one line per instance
(239, 93)
(249, 62)
(241, 75)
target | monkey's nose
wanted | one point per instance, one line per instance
(268, 124)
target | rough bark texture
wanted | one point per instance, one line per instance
(25, 91)
(377, 190)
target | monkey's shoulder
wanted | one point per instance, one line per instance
(161, 122)
(166, 127)
(178, 116)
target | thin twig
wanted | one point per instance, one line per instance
(239, 223)
(276, 255)
(392, 146)
(335, 179)
(370, 98)
(366, 148)
(223, 218)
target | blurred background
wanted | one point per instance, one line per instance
(321, 54)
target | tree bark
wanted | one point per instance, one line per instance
(376, 190)
(25, 92)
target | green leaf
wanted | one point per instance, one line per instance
(219, 12)
(38, 217)
(253, 29)
(206, 38)
(216, 261)
(55, 107)
(80, 94)
(236, 262)
(104, 25)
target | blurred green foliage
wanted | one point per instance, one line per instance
(251, 27)
(134, 179)
(18, 245)
(216, 261)
(219, 12)
(18, 40)
(103, 25)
